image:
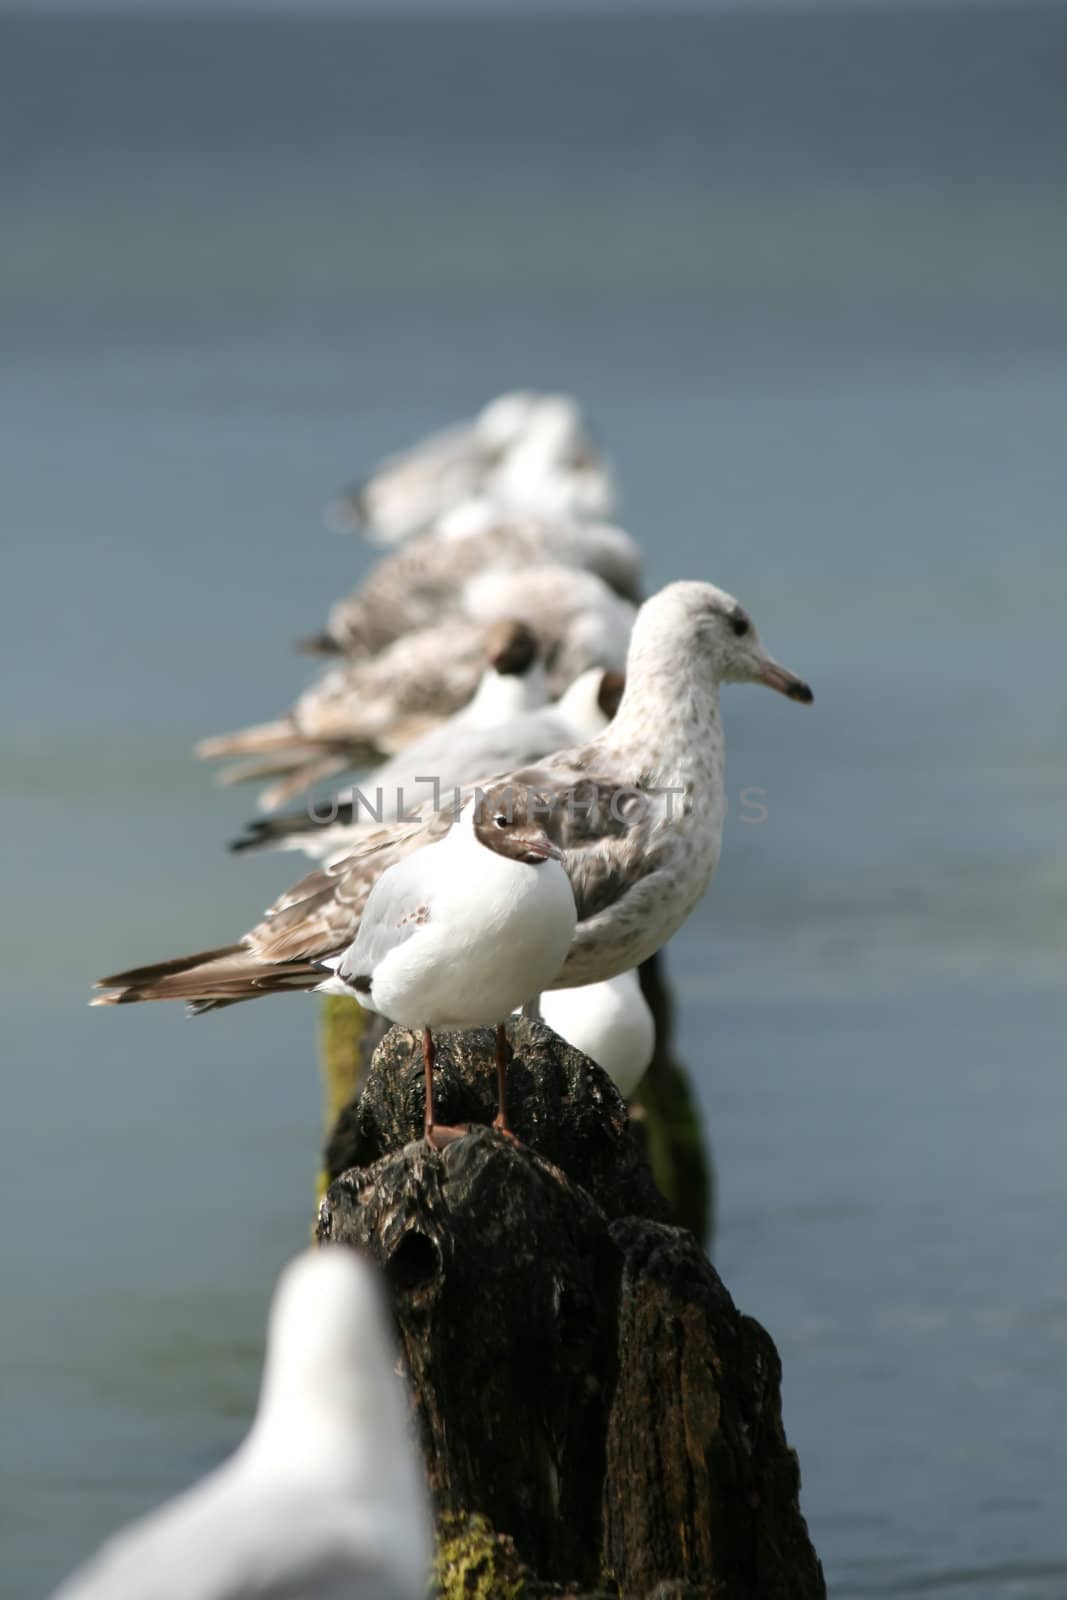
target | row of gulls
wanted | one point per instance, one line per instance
(326, 1498)
(629, 806)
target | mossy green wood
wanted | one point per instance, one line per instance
(342, 1023)
(668, 1116)
(475, 1563)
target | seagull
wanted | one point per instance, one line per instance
(422, 583)
(487, 736)
(512, 683)
(524, 452)
(383, 702)
(462, 932)
(407, 490)
(609, 1022)
(638, 813)
(325, 1499)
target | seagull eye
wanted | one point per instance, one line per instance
(740, 625)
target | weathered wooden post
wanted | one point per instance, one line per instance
(596, 1413)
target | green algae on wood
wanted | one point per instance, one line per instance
(473, 1562)
(342, 1023)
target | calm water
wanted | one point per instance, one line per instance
(808, 272)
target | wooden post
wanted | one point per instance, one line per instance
(595, 1411)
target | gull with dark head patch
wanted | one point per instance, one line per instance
(386, 700)
(463, 931)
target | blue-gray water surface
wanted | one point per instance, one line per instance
(808, 273)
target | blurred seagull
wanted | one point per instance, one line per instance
(524, 452)
(609, 1022)
(385, 701)
(407, 491)
(463, 931)
(512, 683)
(422, 583)
(638, 813)
(553, 469)
(464, 749)
(324, 1499)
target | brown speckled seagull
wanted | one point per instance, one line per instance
(637, 812)
(421, 584)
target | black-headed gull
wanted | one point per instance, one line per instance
(638, 813)
(384, 701)
(326, 1495)
(512, 682)
(459, 934)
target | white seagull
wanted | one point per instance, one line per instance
(638, 813)
(524, 452)
(325, 1499)
(461, 932)
(488, 736)
(609, 1022)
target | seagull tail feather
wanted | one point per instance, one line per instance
(260, 739)
(288, 829)
(208, 980)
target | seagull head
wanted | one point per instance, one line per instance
(328, 1341)
(510, 820)
(512, 647)
(697, 623)
(503, 420)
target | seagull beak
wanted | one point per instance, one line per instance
(787, 683)
(541, 850)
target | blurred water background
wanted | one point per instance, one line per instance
(808, 272)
